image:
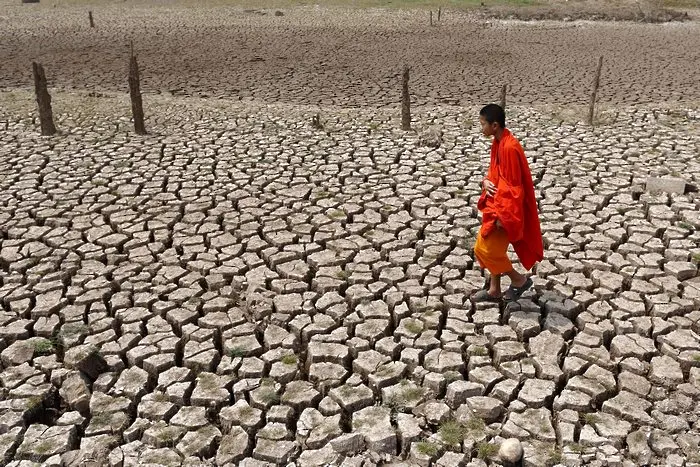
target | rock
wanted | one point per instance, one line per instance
(486, 408)
(318, 457)
(353, 398)
(9, 441)
(314, 430)
(511, 451)
(41, 442)
(348, 444)
(665, 185)
(432, 137)
(300, 395)
(629, 407)
(459, 391)
(681, 270)
(85, 358)
(639, 448)
(17, 353)
(201, 443)
(234, 447)
(665, 371)
(75, 392)
(535, 423)
(375, 425)
(537, 393)
(434, 412)
(190, 418)
(277, 452)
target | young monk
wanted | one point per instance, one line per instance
(509, 212)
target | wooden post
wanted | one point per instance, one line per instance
(135, 93)
(43, 99)
(431, 17)
(504, 90)
(439, 13)
(92, 22)
(596, 84)
(405, 101)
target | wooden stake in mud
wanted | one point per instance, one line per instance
(596, 83)
(504, 90)
(92, 22)
(405, 101)
(135, 93)
(431, 17)
(43, 99)
(439, 13)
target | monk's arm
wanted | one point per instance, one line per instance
(510, 196)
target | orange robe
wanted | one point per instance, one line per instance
(514, 205)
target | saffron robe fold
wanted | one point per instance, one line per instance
(514, 204)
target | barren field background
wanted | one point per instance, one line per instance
(278, 275)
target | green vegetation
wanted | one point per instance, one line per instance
(290, 359)
(452, 432)
(476, 425)
(44, 346)
(486, 450)
(414, 326)
(236, 352)
(427, 448)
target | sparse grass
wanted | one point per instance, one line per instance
(336, 214)
(342, 275)
(577, 448)
(44, 346)
(35, 402)
(486, 450)
(269, 397)
(479, 351)
(696, 357)
(427, 448)
(452, 432)
(554, 457)
(476, 425)
(160, 397)
(414, 326)
(451, 376)
(290, 360)
(696, 257)
(590, 418)
(237, 352)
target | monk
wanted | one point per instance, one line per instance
(509, 210)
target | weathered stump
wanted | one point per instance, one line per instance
(596, 84)
(405, 101)
(43, 100)
(135, 93)
(504, 90)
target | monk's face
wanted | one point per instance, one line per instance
(488, 129)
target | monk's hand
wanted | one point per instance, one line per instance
(489, 187)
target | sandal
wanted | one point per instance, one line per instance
(484, 296)
(513, 294)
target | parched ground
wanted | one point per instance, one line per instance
(349, 57)
(240, 287)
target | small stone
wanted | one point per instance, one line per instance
(511, 450)
(85, 358)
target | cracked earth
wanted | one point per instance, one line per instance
(240, 287)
